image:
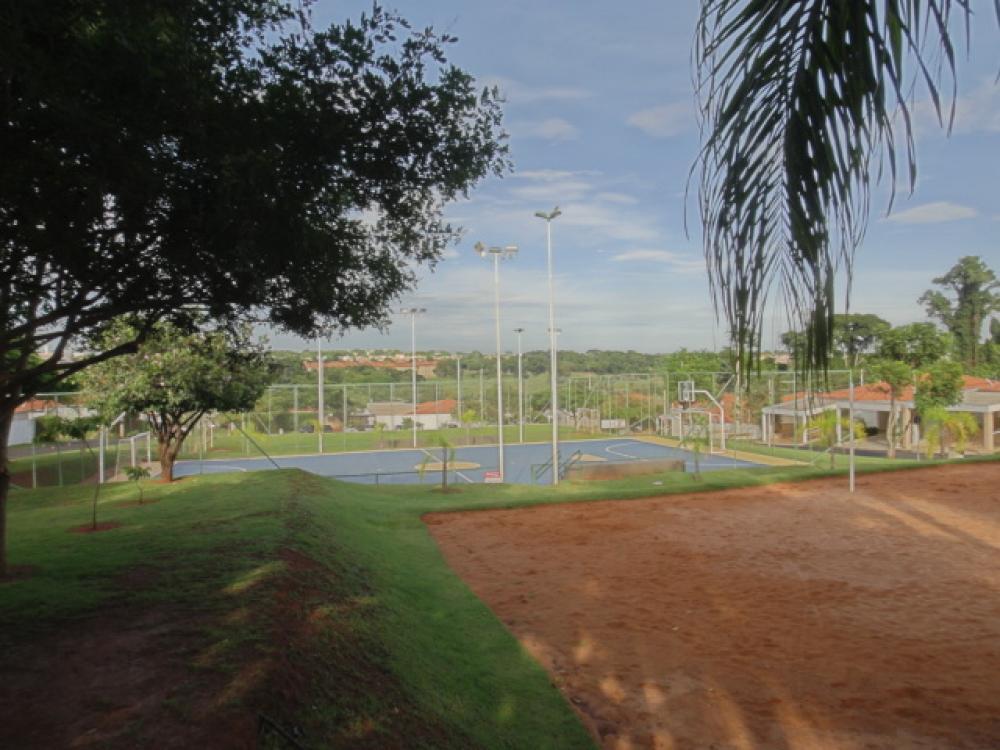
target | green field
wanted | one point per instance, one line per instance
(367, 638)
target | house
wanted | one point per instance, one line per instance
(430, 415)
(872, 404)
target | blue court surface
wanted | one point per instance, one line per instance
(525, 463)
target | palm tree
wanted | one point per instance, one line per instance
(802, 103)
(829, 427)
(898, 377)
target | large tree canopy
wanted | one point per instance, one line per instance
(176, 378)
(165, 153)
(975, 296)
(803, 102)
(163, 156)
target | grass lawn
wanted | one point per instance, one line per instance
(325, 607)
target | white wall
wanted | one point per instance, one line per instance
(22, 431)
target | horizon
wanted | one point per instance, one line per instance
(601, 121)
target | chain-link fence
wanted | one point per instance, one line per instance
(773, 409)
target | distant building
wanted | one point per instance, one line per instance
(785, 421)
(431, 415)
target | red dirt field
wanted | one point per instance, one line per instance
(787, 617)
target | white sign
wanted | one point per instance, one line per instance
(492, 477)
(612, 424)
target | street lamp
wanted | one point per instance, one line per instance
(549, 217)
(458, 379)
(496, 253)
(413, 312)
(520, 388)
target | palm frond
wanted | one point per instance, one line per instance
(803, 105)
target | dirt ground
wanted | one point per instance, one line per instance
(784, 617)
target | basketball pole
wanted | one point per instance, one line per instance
(850, 419)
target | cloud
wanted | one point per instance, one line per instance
(548, 175)
(665, 120)
(684, 263)
(557, 190)
(621, 198)
(521, 93)
(933, 213)
(552, 129)
(977, 111)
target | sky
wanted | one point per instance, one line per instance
(600, 113)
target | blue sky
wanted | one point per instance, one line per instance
(601, 121)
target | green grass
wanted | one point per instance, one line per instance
(412, 658)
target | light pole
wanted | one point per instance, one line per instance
(458, 377)
(413, 312)
(496, 253)
(520, 388)
(549, 217)
(319, 391)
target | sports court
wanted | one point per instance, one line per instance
(787, 616)
(528, 463)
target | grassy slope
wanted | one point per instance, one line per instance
(446, 673)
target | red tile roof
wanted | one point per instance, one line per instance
(880, 391)
(37, 404)
(444, 406)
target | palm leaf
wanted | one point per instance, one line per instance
(803, 105)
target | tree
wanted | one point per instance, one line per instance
(939, 385)
(53, 428)
(917, 344)
(801, 105)
(829, 426)
(175, 379)
(897, 376)
(169, 155)
(943, 426)
(856, 334)
(976, 295)
(137, 474)
(853, 335)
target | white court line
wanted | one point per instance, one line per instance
(460, 474)
(611, 449)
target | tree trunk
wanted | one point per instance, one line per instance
(167, 458)
(6, 418)
(891, 428)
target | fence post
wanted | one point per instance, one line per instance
(100, 455)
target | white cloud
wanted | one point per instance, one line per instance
(522, 93)
(680, 262)
(933, 213)
(556, 190)
(664, 120)
(548, 175)
(552, 129)
(621, 198)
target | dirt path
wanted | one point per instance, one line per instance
(783, 617)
